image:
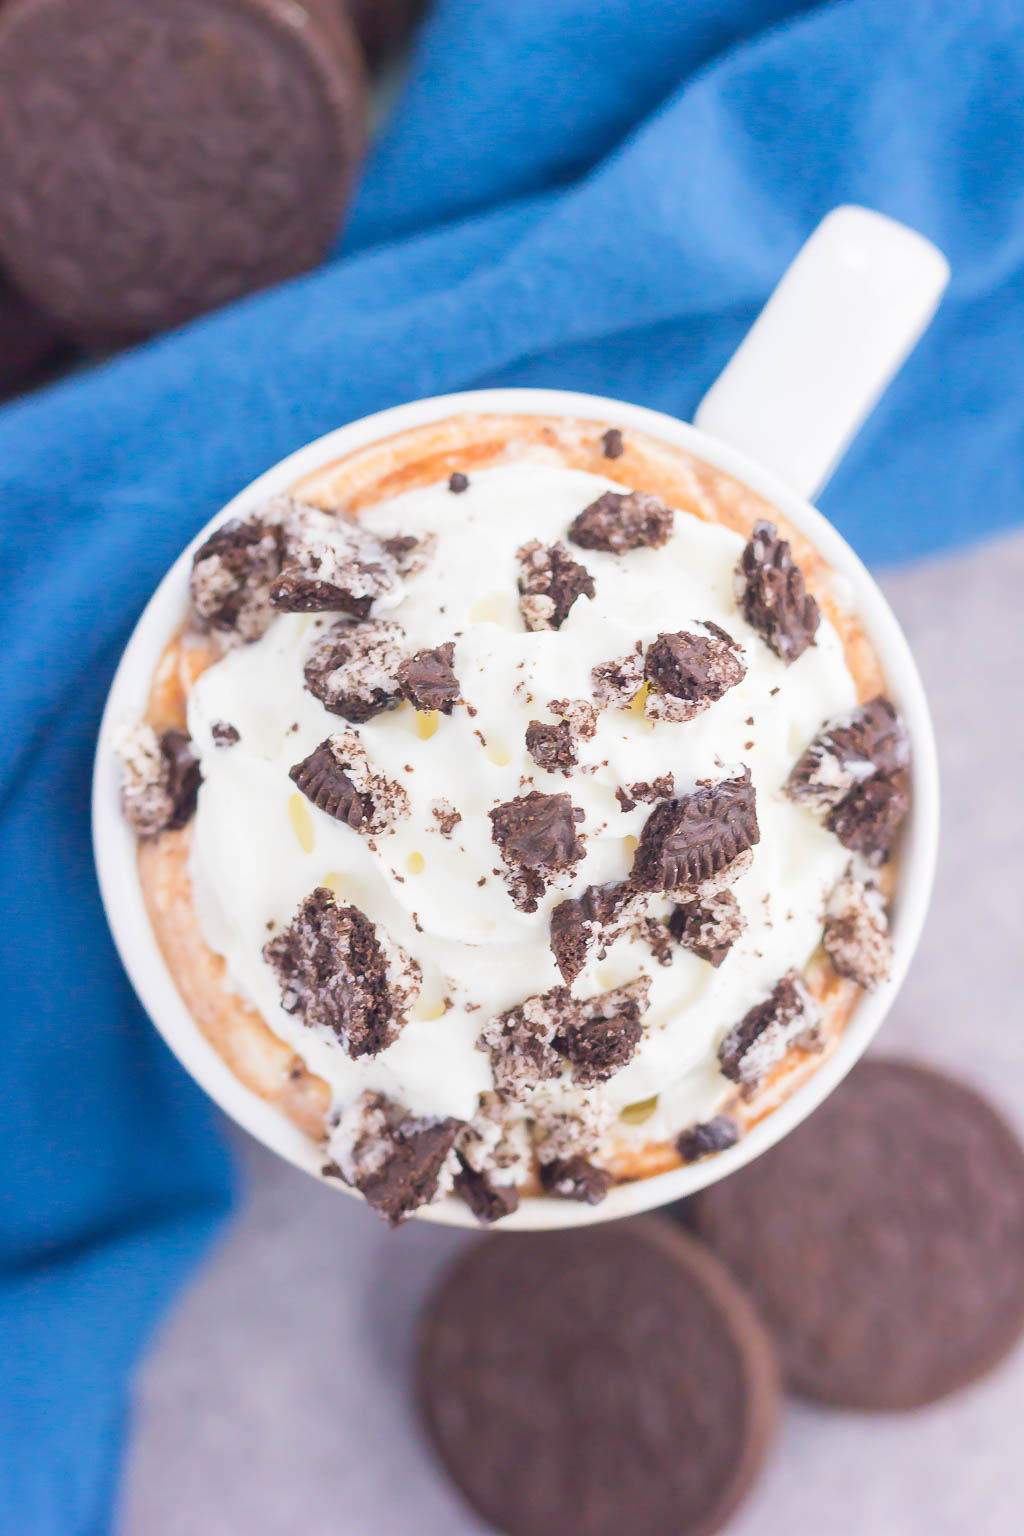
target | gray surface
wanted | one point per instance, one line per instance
(277, 1402)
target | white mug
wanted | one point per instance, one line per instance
(837, 328)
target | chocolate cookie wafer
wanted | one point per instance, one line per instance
(883, 1240)
(162, 157)
(597, 1382)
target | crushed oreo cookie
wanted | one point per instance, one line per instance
(446, 816)
(232, 575)
(714, 1135)
(488, 1201)
(224, 735)
(603, 1032)
(772, 595)
(575, 1178)
(323, 780)
(552, 747)
(550, 581)
(619, 521)
(688, 671)
(630, 796)
(458, 482)
(788, 1016)
(847, 751)
(708, 928)
(353, 669)
(397, 1161)
(616, 683)
(868, 819)
(857, 933)
(520, 1042)
(333, 972)
(428, 681)
(411, 555)
(537, 837)
(331, 564)
(611, 443)
(183, 776)
(160, 778)
(689, 841)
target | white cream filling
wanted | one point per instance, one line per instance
(250, 869)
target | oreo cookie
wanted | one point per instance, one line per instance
(883, 1240)
(428, 680)
(550, 581)
(688, 670)
(689, 841)
(772, 594)
(323, 780)
(538, 838)
(620, 521)
(788, 1016)
(550, 1381)
(162, 159)
(354, 669)
(397, 1161)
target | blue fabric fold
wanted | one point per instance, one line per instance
(592, 194)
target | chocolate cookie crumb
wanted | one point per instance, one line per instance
(688, 671)
(334, 974)
(788, 1016)
(331, 563)
(611, 443)
(658, 789)
(714, 1135)
(397, 1161)
(537, 837)
(446, 816)
(520, 1042)
(552, 747)
(857, 933)
(428, 681)
(458, 482)
(708, 928)
(847, 751)
(868, 819)
(160, 777)
(232, 575)
(575, 1178)
(223, 734)
(687, 842)
(411, 555)
(620, 521)
(353, 668)
(488, 1201)
(323, 781)
(772, 595)
(603, 1032)
(616, 683)
(550, 581)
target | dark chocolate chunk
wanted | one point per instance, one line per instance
(713, 1135)
(868, 819)
(232, 574)
(575, 1178)
(611, 1380)
(686, 672)
(619, 521)
(183, 776)
(846, 752)
(458, 482)
(788, 1016)
(393, 1158)
(688, 841)
(334, 974)
(221, 145)
(550, 581)
(428, 681)
(353, 669)
(603, 1032)
(611, 443)
(488, 1201)
(882, 1240)
(857, 933)
(773, 596)
(537, 831)
(224, 735)
(708, 928)
(323, 780)
(552, 747)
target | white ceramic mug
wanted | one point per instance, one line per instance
(837, 328)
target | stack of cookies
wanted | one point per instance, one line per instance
(629, 1377)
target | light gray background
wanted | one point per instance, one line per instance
(276, 1401)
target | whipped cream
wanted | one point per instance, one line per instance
(260, 847)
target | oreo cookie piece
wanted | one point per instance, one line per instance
(688, 842)
(550, 581)
(882, 1240)
(620, 521)
(772, 595)
(616, 683)
(602, 1033)
(353, 669)
(162, 159)
(857, 933)
(428, 681)
(552, 747)
(521, 1042)
(160, 777)
(708, 928)
(575, 1178)
(333, 973)
(788, 1016)
(548, 1375)
(330, 563)
(687, 671)
(488, 1201)
(611, 443)
(871, 739)
(323, 780)
(538, 839)
(233, 574)
(397, 1161)
(868, 819)
(714, 1135)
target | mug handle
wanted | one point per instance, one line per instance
(846, 314)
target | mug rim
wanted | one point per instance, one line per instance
(115, 844)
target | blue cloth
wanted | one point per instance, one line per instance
(597, 194)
